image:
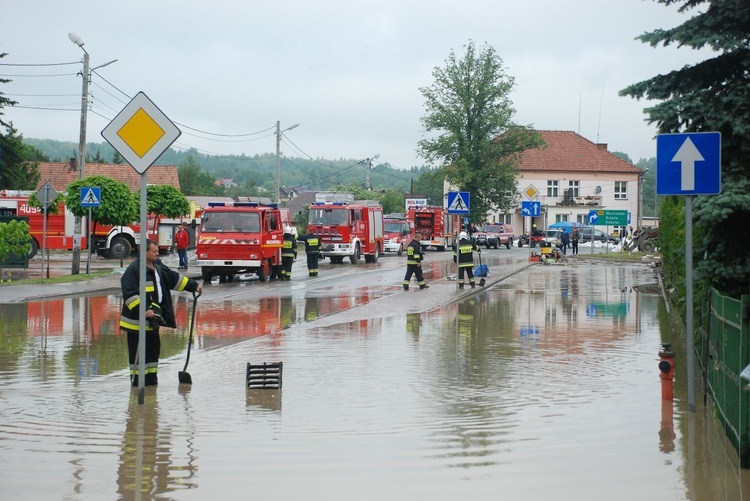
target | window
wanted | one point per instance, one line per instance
(621, 190)
(573, 187)
(582, 219)
(561, 217)
(553, 188)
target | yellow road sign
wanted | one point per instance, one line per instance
(141, 133)
(531, 192)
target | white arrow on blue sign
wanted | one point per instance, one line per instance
(688, 164)
(592, 217)
(530, 208)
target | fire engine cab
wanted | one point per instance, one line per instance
(348, 229)
(240, 237)
(438, 228)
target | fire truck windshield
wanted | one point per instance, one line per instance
(238, 222)
(328, 217)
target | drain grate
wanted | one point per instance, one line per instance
(264, 376)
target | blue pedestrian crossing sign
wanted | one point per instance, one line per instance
(458, 202)
(530, 208)
(91, 196)
(688, 164)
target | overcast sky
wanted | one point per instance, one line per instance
(348, 72)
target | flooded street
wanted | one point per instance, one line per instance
(541, 386)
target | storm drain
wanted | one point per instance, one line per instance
(264, 376)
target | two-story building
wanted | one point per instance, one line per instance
(570, 177)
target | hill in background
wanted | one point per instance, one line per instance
(258, 170)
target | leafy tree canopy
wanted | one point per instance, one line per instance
(119, 206)
(14, 240)
(167, 201)
(469, 107)
(713, 95)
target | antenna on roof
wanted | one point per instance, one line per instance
(579, 112)
(599, 125)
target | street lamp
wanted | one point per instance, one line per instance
(369, 166)
(85, 76)
(278, 157)
(640, 198)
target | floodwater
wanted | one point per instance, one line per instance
(542, 387)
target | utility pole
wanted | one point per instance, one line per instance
(278, 157)
(368, 162)
(76, 268)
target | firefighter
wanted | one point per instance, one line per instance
(288, 253)
(312, 250)
(464, 256)
(414, 258)
(160, 279)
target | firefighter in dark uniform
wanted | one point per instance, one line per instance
(414, 258)
(464, 256)
(288, 253)
(312, 249)
(160, 279)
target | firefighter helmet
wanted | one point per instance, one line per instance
(463, 236)
(288, 229)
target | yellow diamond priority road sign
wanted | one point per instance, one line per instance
(141, 133)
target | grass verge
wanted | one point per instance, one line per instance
(63, 279)
(628, 257)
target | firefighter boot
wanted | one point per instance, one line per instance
(424, 286)
(406, 287)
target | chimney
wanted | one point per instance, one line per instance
(602, 146)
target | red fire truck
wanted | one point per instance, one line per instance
(240, 237)
(438, 228)
(348, 229)
(59, 226)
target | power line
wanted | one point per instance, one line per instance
(39, 64)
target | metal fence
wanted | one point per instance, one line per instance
(724, 351)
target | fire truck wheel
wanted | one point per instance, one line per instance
(120, 248)
(400, 249)
(206, 274)
(263, 271)
(373, 258)
(34, 248)
(355, 257)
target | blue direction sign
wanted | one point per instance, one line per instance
(688, 164)
(91, 196)
(458, 202)
(529, 208)
(592, 217)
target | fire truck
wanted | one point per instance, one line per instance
(438, 228)
(348, 229)
(59, 226)
(240, 237)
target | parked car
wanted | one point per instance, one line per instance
(599, 236)
(494, 235)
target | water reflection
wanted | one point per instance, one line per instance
(150, 465)
(543, 387)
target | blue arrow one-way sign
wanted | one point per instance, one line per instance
(688, 164)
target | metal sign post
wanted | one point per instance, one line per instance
(141, 133)
(689, 164)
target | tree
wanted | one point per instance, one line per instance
(194, 181)
(14, 240)
(713, 95)
(430, 184)
(18, 169)
(469, 105)
(167, 201)
(119, 206)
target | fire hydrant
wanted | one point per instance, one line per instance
(666, 371)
